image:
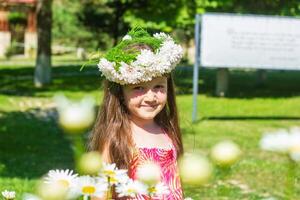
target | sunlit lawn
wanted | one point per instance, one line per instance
(31, 143)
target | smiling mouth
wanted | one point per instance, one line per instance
(151, 107)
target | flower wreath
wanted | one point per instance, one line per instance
(125, 64)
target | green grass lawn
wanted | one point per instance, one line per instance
(31, 143)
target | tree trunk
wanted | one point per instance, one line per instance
(118, 14)
(42, 75)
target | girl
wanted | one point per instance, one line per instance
(138, 120)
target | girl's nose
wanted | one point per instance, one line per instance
(150, 95)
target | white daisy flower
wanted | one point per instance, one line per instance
(28, 196)
(278, 141)
(158, 190)
(9, 195)
(90, 187)
(63, 177)
(114, 175)
(131, 188)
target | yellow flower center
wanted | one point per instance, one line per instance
(109, 173)
(152, 190)
(88, 189)
(63, 182)
(113, 180)
(131, 190)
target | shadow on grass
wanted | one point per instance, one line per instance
(242, 84)
(19, 82)
(30, 145)
(247, 118)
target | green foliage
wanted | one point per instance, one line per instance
(17, 18)
(267, 7)
(67, 27)
(125, 50)
(100, 24)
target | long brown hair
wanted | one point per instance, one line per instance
(112, 128)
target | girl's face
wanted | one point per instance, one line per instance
(145, 100)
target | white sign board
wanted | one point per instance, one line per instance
(250, 41)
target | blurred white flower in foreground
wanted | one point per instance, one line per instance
(131, 188)
(90, 163)
(278, 141)
(75, 117)
(158, 190)
(226, 153)
(149, 173)
(195, 169)
(63, 177)
(9, 195)
(295, 153)
(52, 191)
(114, 175)
(90, 187)
(28, 196)
(188, 198)
(283, 141)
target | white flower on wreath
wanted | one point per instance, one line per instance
(114, 175)
(127, 37)
(130, 73)
(90, 187)
(131, 188)
(8, 195)
(145, 58)
(162, 35)
(147, 64)
(173, 52)
(108, 69)
(62, 177)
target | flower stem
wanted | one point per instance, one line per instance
(290, 179)
(86, 197)
(78, 147)
(109, 193)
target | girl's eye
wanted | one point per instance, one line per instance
(159, 86)
(138, 88)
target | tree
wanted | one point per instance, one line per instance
(42, 75)
(67, 29)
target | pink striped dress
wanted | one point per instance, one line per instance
(166, 158)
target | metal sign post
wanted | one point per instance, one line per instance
(196, 67)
